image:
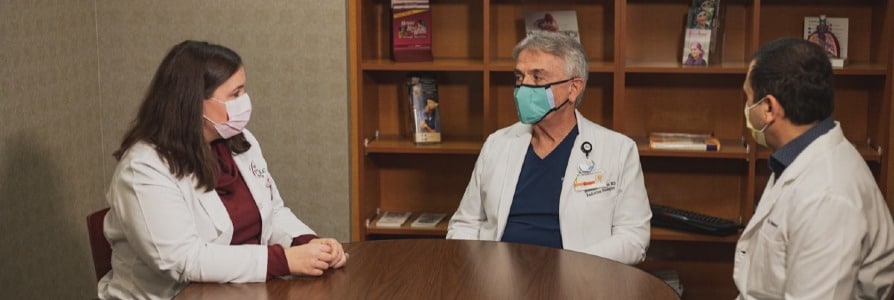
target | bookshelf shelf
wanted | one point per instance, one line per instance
(862, 69)
(595, 66)
(406, 229)
(440, 64)
(677, 68)
(664, 234)
(395, 145)
(637, 85)
(729, 149)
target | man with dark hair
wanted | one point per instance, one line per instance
(821, 229)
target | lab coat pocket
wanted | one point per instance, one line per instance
(606, 192)
(768, 262)
(214, 223)
(595, 210)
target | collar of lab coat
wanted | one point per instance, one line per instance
(776, 186)
(212, 203)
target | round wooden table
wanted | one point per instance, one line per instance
(453, 269)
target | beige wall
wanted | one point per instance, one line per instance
(72, 74)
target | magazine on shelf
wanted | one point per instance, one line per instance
(428, 220)
(392, 219)
(698, 46)
(564, 21)
(424, 116)
(411, 30)
(701, 33)
(831, 35)
(683, 141)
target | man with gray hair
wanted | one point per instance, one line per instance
(555, 178)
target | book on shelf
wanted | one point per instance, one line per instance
(428, 220)
(563, 21)
(683, 141)
(701, 33)
(392, 219)
(424, 116)
(411, 30)
(831, 35)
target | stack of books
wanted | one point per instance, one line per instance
(683, 141)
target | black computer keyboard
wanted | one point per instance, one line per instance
(675, 218)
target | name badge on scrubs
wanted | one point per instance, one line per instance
(588, 177)
(589, 181)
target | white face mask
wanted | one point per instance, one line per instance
(238, 113)
(758, 135)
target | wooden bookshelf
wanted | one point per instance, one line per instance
(637, 85)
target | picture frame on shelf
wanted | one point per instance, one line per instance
(831, 35)
(562, 21)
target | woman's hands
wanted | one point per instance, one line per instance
(339, 257)
(315, 257)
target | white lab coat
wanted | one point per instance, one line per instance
(612, 222)
(166, 233)
(821, 231)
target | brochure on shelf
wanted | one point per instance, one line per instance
(564, 21)
(831, 35)
(428, 220)
(424, 115)
(701, 33)
(392, 219)
(411, 30)
(698, 43)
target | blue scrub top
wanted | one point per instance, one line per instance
(534, 214)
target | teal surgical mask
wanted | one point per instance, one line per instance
(534, 102)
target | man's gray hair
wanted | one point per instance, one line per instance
(561, 45)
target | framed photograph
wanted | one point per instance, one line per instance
(564, 21)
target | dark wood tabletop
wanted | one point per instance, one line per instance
(452, 269)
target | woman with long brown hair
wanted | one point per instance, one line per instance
(191, 198)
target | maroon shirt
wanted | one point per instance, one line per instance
(244, 212)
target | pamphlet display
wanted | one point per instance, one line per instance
(831, 35)
(411, 30)
(424, 116)
(700, 37)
